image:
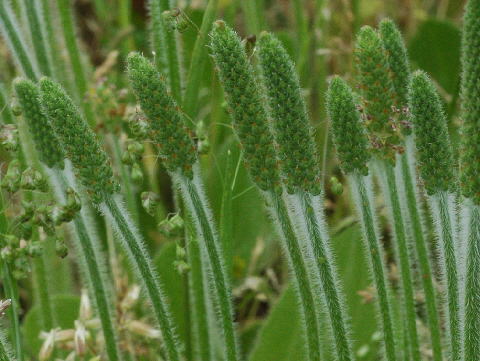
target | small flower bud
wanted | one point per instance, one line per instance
(11, 180)
(137, 174)
(61, 248)
(9, 137)
(150, 202)
(171, 226)
(33, 180)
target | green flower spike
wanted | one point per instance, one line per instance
(79, 142)
(348, 132)
(377, 91)
(45, 139)
(166, 123)
(470, 93)
(399, 67)
(246, 105)
(293, 133)
(435, 156)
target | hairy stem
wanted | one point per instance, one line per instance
(211, 248)
(472, 286)
(291, 244)
(91, 263)
(312, 229)
(5, 352)
(38, 40)
(135, 247)
(390, 190)
(414, 216)
(442, 207)
(361, 188)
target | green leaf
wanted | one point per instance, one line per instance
(65, 312)
(436, 49)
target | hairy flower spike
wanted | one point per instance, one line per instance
(435, 156)
(45, 139)
(292, 129)
(246, 105)
(377, 91)
(167, 124)
(399, 64)
(79, 142)
(348, 132)
(470, 93)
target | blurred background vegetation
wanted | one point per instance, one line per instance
(319, 34)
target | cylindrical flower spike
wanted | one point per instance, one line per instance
(348, 132)
(435, 156)
(46, 141)
(79, 142)
(167, 124)
(246, 105)
(293, 133)
(470, 93)
(377, 91)
(399, 67)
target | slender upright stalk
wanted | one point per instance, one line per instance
(423, 255)
(210, 246)
(472, 285)
(13, 36)
(34, 11)
(198, 60)
(386, 173)
(71, 42)
(164, 45)
(132, 243)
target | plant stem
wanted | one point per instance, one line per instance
(5, 353)
(125, 24)
(211, 248)
(442, 206)
(68, 30)
(312, 229)
(42, 292)
(164, 44)
(135, 247)
(279, 213)
(11, 31)
(472, 286)
(390, 191)
(198, 60)
(415, 218)
(361, 188)
(11, 293)
(91, 263)
(252, 16)
(226, 222)
(38, 39)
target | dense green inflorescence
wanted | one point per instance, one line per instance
(167, 123)
(399, 67)
(377, 91)
(348, 132)
(246, 105)
(470, 93)
(46, 141)
(293, 133)
(435, 157)
(79, 142)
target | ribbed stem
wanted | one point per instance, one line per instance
(134, 245)
(69, 34)
(91, 264)
(11, 32)
(422, 252)
(211, 249)
(292, 247)
(164, 44)
(11, 293)
(313, 230)
(361, 188)
(472, 286)
(38, 39)
(198, 59)
(42, 292)
(442, 206)
(390, 191)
